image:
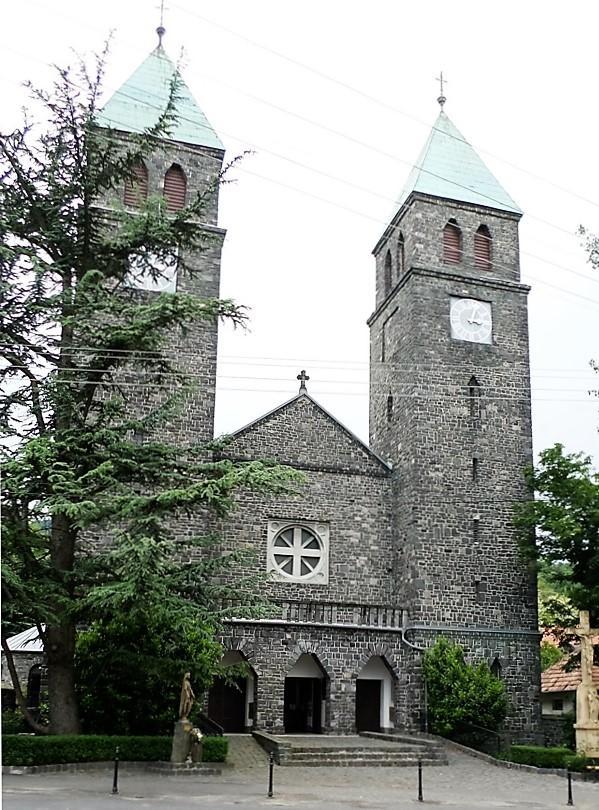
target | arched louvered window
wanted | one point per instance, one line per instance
(400, 256)
(452, 243)
(175, 188)
(388, 273)
(482, 248)
(136, 187)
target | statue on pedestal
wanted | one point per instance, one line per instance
(182, 738)
(187, 697)
(587, 701)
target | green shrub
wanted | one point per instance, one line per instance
(576, 763)
(54, 749)
(542, 757)
(460, 694)
(27, 749)
(215, 749)
(13, 722)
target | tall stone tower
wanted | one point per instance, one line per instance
(186, 162)
(450, 408)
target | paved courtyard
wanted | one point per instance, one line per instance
(465, 783)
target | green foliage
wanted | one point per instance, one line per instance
(12, 722)
(129, 674)
(460, 694)
(82, 460)
(215, 749)
(542, 757)
(550, 655)
(31, 750)
(565, 516)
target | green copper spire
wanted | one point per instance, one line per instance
(449, 167)
(137, 105)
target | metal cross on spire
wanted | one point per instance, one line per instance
(441, 100)
(161, 30)
(303, 378)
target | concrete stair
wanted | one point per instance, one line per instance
(372, 750)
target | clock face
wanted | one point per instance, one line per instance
(471, 320)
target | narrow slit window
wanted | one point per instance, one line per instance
(496, 667)
(136, 187)
(452, 243)
(388, 270)
(482, 248)
(175, 188)
(476, 528)
(390, 408)
(401, 256)
(474, 398)
(474, 469)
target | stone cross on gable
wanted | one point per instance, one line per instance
(303, 378)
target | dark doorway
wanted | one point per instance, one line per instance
(303, 702)
(368, 705)
(226, 704)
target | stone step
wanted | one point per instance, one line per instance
(358, 761)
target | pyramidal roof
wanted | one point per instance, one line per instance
(137, 105)
(449, 167)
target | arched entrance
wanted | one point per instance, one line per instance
(305, 692)
(231, 703)
(374, 696)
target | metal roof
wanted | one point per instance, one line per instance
(26, 641)
(138, 103)
(449, 167)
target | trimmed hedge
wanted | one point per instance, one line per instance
(542, 757)
(215, 749)
(25, 749)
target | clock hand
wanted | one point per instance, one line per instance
(478, 323)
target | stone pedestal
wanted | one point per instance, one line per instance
(181, 741)
(587, 738)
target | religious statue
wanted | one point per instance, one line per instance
(587, 700)
(187, 697)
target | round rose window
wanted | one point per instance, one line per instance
(297, 552)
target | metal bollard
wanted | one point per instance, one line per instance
(570, 800)
(271, 767)
(115, 779)
(419, 780)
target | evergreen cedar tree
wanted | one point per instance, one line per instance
(71, 467)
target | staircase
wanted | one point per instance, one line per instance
(367, 750)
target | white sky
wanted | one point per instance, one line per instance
(309, 205)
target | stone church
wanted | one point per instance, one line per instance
(391, 545)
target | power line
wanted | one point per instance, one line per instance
(323, 75)
(344, 135)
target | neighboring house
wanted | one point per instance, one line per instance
(28, 655)
(558, 689)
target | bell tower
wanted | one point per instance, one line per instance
(450, 408)
(186, 162)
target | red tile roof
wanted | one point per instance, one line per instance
(555, 679)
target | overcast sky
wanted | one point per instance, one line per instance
(336, 98)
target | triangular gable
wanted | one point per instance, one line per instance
(303, 434)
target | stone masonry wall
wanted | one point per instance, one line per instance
(421, 223)
(342, 653)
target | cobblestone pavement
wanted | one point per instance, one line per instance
(466, 784)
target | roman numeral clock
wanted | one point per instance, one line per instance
(471, 320)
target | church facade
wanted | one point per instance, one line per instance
(389, 546)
